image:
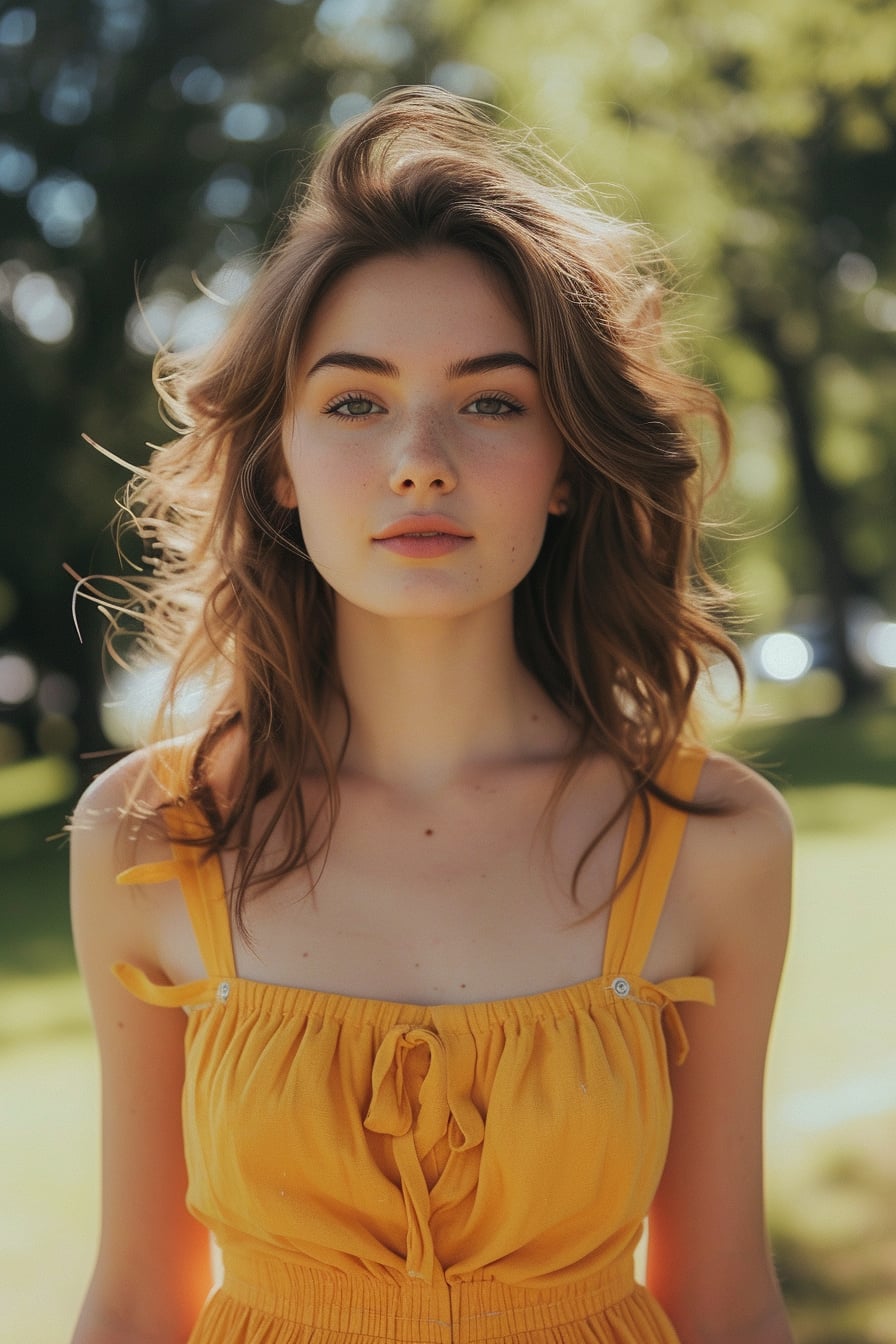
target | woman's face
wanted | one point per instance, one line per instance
(418, 448)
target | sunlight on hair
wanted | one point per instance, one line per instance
(133, 697)
(717, 697)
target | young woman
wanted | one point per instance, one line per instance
(444, 879)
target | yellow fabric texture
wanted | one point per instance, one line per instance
(469, 1172)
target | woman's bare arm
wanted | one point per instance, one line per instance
(709, 1262)
(152, 1271)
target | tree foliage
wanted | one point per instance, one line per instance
(761, 140)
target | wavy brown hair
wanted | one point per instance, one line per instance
(617, 618)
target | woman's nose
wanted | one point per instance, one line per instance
(424, 461)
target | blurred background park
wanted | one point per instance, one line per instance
(146, 150)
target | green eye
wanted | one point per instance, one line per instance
(495, 408)
(352, 408)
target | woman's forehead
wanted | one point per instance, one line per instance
(439, 298)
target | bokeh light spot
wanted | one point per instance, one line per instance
(196, 81)
(334, 16)
(68, 100)
(348, 105)
(856, 273)
(17, 27)
(230, 282)
(18, 678)
(122, 24)
(149, 324)
(198, 323)
(228, 194)
(880, 309)
(470, 81)
(251, 121)
(648, 52)
(43, 309)
(17, 169)
(235, 239)
(880, 643)
(57, 694)
(784, 656)
(62, 203)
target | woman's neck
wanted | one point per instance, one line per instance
(432, 700)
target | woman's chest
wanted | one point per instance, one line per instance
(452, 899)
(467, 900)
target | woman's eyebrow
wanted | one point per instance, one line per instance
(460, 368)
(344, 359)
(504, 359)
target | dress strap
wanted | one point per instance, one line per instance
(636, 910)
(201, 879)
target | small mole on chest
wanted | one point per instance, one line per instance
(428, 831)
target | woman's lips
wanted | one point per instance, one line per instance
(427, 545)
(423, 536)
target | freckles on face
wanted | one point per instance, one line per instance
(416, 404)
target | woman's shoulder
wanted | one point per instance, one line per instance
(744, 796)
(736, 861)
(116, 825)
(140, 783)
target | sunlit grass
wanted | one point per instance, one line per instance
(50, 1181)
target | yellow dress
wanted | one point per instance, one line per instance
(469, 1172)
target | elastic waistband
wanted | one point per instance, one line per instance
(412, 1312)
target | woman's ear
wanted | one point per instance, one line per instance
(285, 492)
(559, 502)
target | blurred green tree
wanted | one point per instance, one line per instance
(760, 139)
(144, 146)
